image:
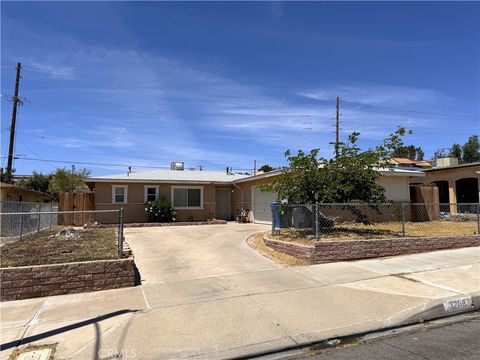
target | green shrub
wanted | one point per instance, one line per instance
(160, 210)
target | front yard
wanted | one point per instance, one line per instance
(355, 231)
(42, 248)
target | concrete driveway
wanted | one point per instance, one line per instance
(177, 253)
(205, 294)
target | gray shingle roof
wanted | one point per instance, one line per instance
(171, 176)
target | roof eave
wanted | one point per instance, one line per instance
(150, 181)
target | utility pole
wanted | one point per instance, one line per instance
(337, 128)
(16, 101)
(254, 167)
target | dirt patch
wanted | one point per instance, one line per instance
(43, 248)
(388, 230)
(256, 242)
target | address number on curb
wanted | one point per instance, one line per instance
(457, 304)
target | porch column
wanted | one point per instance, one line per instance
(452, 191)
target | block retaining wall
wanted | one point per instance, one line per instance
(56, 279)
(347, 250)
(303, 252)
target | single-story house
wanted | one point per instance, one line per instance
(201, 195)
(405, 162)
(456, 183)
(12, 192)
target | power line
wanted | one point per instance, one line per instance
(34, 153)
(413, 111)
(43, 71)
(102, 164)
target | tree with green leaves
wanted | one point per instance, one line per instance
(351, 176)
(37, 181)
(67, 181)
(410, 152)
(456, 151)
(471, 150)
(266, 168)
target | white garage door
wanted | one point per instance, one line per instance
(261, 205)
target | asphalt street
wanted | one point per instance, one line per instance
(460, 340)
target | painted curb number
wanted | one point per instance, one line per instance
(457, 304)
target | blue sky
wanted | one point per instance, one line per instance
(222, 84)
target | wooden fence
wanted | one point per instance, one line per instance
(76, 202)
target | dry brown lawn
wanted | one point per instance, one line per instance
(256, 242)
(38, 249)
(355, 231)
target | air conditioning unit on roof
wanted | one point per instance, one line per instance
(177, 165)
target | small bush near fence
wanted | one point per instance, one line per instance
(298, 223)
(160, 210)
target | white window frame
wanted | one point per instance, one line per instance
(187, 207)
(125, 197)
(145, 192)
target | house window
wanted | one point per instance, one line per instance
(187, 197)
(119, 194)
(151, 193)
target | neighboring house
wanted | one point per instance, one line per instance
(201, 195)
(11, 192)
(456, 183)
(405, 162)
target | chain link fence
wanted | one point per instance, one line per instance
(33, 217)
(373, 221)
(24, 221)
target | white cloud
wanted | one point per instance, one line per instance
(153, 109)
(381, 95)
(51, 68)
(277, 8)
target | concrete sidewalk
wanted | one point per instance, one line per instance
(243, 313)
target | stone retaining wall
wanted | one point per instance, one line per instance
(45, 280)
(303, 252)
(326, 251)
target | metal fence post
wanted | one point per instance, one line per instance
(317, 225)
(478, 219)
(21, 220)
(120, 233)
(273, 219)
(403, 218)
(39, 216)
(51, 215)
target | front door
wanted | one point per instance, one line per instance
(223, 203)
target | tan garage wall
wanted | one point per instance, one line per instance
(237, 203)
(397, 188)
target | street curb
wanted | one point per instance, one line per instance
(433, 310)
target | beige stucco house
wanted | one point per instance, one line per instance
(201, 195)
(11, 192)
(456, 184)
